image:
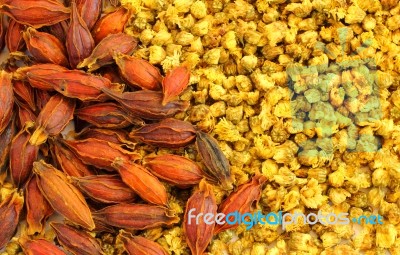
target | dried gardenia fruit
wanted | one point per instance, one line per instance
(198, 233)
(137, 245)
(10, 209)
(75, 84)
(59, 30)
(106, 115)
(111, 23)
(24, 94)
(37, 207)
(104, 51)
(107, 189)
(39, 247)
(45, 48)
(14, 39)
(174, 169)
(135, 216)
(241, 200)
(175, 82)
(146, 104)
(25, 116)
(36, 13)
(169, 133)
(2, 31)
(79, 41)
(76, 241)
(33, 74)
(67, 161)
(22, 156)
(5, 137)
(115, 136)
(89, 10)
(138, 72)
(139, 179)
(63, 197)
(100, 153)
(53, 118)
(6, 99)
(214, 159)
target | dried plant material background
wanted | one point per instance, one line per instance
(303, 93)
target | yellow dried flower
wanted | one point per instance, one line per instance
(338, 196)
(301, 10)
(146, 36)
(291, 199)
(184, 38)
(198, 9)
(329, 239)
(161, 38)
(157, 54)
(249, 62)
(386, 235)
(354, 15)
(311, 195)
(303, 242)
(226, 131)
(200, 28)
(134, 5)
(212, 56)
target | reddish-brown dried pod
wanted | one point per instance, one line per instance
(217, 165)
(138, 72)
(42, 97)
(75, 241)
(174, 169)
(10, 209)
(59, 30)
(107, 189)
(146, 104)
(89, 10)
(68, 162)
(6, 137)
(241, 200)
(139, 179)
(104, 51)
(111, 23)
(106, 115)
(25, 115)
(14, 39)
(36, 72)
(169, 133)
(45, 48)
(137, 245)
(6, 99)
(2, 32)
(39, 247)
(76, 84)
(37, 207)
(79, 41)
(111, 73)
(198, 232)
(63, 197)
(22, 156)
(114, 2)
(25, 94)
(135, 216)
(53, 118)
(100, 153)
(175, 82)
(36, 13)
(115, 136)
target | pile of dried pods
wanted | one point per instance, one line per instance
(95, 178)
